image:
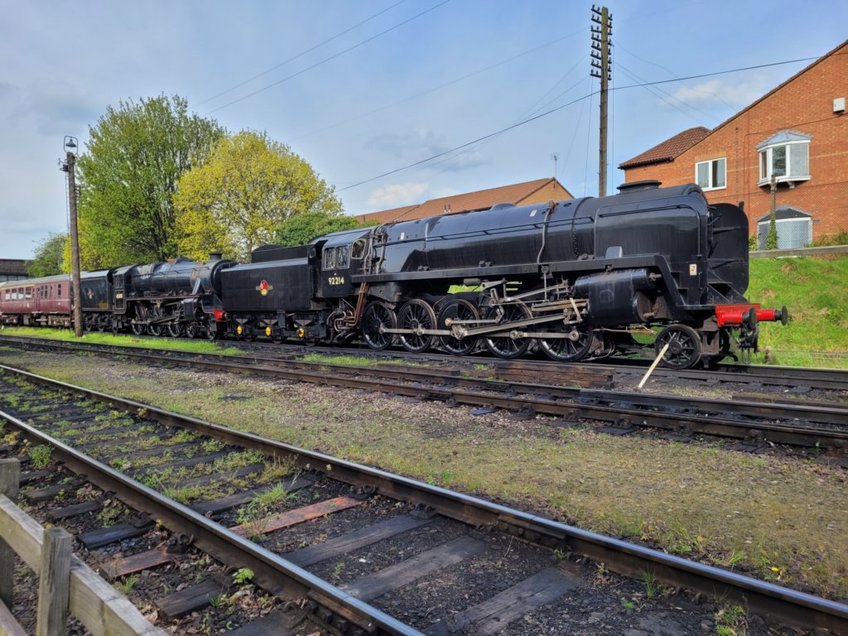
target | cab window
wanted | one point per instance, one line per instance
(329, 258)
(342, 254)
(358, 249)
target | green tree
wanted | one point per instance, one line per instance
(302, 228)
(771, 237)
(49, 256)
(136, 154)
(239, 197)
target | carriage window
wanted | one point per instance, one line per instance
(329, 258)
(358, 249)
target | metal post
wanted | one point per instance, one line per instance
(70, 157)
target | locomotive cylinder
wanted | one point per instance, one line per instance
(615, 295)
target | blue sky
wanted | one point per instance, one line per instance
(421, 77)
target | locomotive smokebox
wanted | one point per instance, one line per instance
(614, 295)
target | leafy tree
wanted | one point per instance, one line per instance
(49, 256)
(302, 228)
(136, 154)
(771, 237)
(248, 187)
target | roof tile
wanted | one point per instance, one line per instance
(464, 202)
(669, 149)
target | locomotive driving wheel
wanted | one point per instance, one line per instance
(684, 346)
(416, 315)
(376, 317)
(575, 346)
(509, 346)
(457, 309)
(175, 329)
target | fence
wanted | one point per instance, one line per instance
(66, 584)
(802, 251)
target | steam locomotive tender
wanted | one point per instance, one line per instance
(575, 278)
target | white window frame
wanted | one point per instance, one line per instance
(709, 162)
(768, 152)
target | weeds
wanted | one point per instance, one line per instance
(40, 455)
(242, 576)
(731, 620)
(126, 586)
(262, 504)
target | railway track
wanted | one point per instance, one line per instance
(398, 532)
(623, 368)
(625, 371)
(753, 423)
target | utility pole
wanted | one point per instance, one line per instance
(601, 68)
(69, 167)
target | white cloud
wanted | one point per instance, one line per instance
(424, 143)
(398, 194)
(720, 91)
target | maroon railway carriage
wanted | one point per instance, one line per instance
(36, 302)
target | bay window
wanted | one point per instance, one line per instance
(786, 156)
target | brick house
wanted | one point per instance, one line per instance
(797, 133)
(525, 193)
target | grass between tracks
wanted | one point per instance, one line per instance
(780, 519)
(123, 340)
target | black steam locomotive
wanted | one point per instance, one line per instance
(574, 279)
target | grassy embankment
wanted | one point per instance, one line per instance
(816, 292)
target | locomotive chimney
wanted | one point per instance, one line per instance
(647, 184)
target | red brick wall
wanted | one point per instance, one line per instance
(804, 105)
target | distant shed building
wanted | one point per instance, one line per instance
(12, 269)
(525, 193)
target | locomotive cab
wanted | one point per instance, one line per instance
(342, 257)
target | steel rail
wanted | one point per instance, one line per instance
(688, 415)
(819, 378)
(791, 606)
(272, 572)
